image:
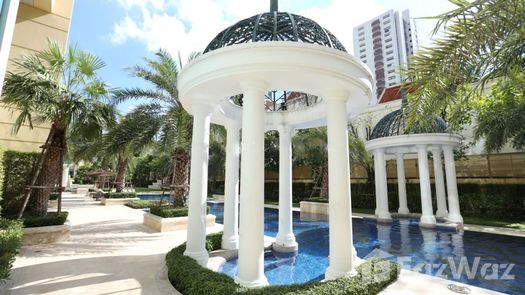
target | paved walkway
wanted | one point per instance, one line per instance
(109, 252)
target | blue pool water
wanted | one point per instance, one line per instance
(433, 251)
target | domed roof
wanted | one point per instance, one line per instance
(393, 124)
(275, 26)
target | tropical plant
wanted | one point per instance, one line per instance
(311, 148)
(358, 153)
(482, 42)
(58, 87)
(176, 124)
(501, 114)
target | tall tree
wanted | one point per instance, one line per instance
(483, 41)
(58, 87)
(176, 128)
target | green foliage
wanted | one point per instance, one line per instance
(141, 204)
(10, 241)
(501, 114)
(52, 218)
(188, 277)
(150, 168)
(169, 211)
(81, 177)
(271, 151)
(122, 195)
(17, 173)
(1, 177)
(482, 41)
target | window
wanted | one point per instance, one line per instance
(391, 77)
(390, 52)
(390, 58)
(388, 46)
(361, 39)
(386, 22)
(389, 65)
(362, 45)
(362, 56)
(391, 71)
(362, 50)
(361, 28)
(387, 29)
(361, 34)
(388, 40)
(364, 61)
(391, 84)
(385, 16)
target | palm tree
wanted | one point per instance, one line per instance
(311, 148)
(176, 124)
(58, 87)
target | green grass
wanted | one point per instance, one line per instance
(494, 222)
(363, 211)
(141, 204)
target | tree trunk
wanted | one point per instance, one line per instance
(181, 166)
(324, 180)
(51, 170)
(121, 173)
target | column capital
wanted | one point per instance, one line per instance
(336, 94)
(435, 149)
(447, 148)
(379, 151)
(232, 126)
(253, 84)
(400, 155)
(286, 129)
(421, 147)
(202, 109)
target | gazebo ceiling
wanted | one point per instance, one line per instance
(393, 124)
(275, 26)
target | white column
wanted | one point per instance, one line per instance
(440, 183)
(196, 233)
(454, 214)
(401, 184)
(230, 237)
(340, 211)
(381, 186)
(285, 240)
(427, 215)
(65, 175)
(251, 229)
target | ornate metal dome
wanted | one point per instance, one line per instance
(275, 26)
(393, 124)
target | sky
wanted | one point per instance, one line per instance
(124, 32)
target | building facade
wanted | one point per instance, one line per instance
(384, 44)
(25, 26)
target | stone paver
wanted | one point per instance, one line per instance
(109, 252)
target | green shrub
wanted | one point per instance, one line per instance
(10, 241)
(1, 177)
(52, 218)
(81, 176)
(189, 278)
(169, 211)
(53, 196)
(18, 167)
(124, 195)
(141, 204)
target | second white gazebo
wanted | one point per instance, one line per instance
(390, 139)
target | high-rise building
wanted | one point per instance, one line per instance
(25, 26)
(384, 44)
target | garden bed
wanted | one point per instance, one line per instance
(10, 241)
(189, 278)
(51, 228)
(169, 218)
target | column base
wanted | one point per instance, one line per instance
(289, 248)
(333, 274)
(455, 218)
(441, 214)
(260, 282)
(285, 239)
(403, 211)
(230, 243)
(384, 217)
(200, 257)
(427, 221)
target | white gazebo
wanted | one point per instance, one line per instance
(268, 52)
(390, 140)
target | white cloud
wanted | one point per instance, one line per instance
(188, 25)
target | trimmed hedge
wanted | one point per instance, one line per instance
(141, 204)
(124, 195)
(189, 278)
(52, 218)
(10, 241)
(17, 173)
(168, 211)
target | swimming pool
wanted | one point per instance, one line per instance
(438, 252)
(432, 251)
